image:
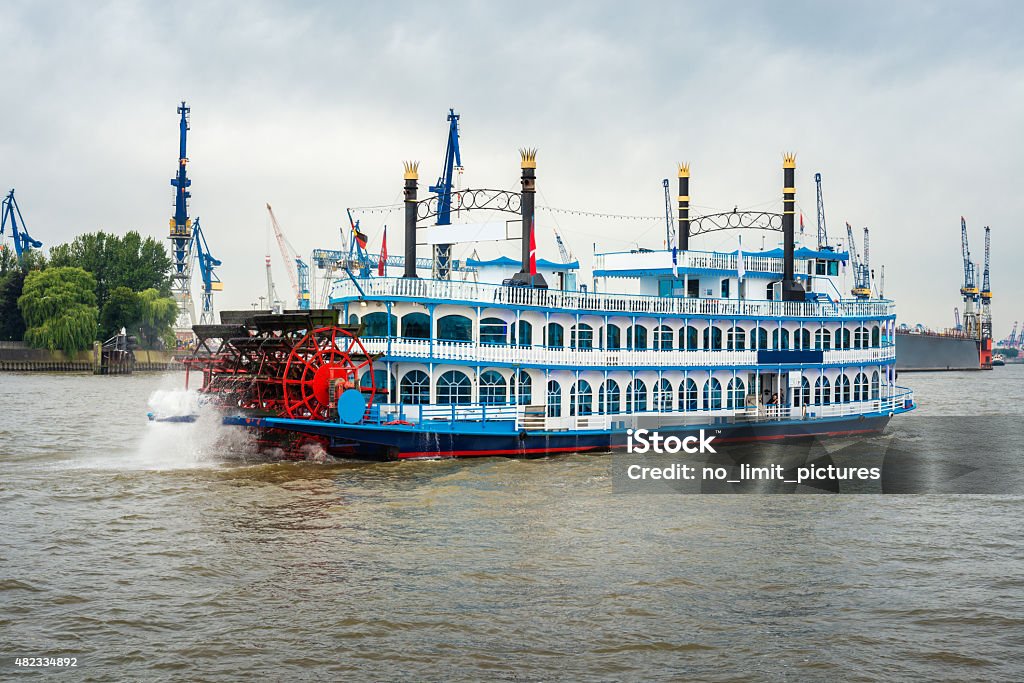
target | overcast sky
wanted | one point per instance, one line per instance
(912, 112)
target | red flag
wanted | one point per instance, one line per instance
(383, 253)
(533, 246)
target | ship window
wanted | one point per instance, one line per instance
(636, 337)
(713, 394)
(769, 292)
(758, 338)
(780, 339)
(581, 398)
(663, 396)
(736, 394)
(688, 395)
(416, 326)
(875, 337)
(803, 395)
(734, 339)
(353, 319)
(713, 338)
(822, 340)
(833, 267)
(843, 339)
(582, 336)
(554, 399)
(690, 341)
(556, 336)
(860, 387)
(636, 397)
(455, 328)
(415, 388)
(608, 397)
(822, 394)
(454, 387)
(663, 336)
(725, 288)
(380, 383)
(525, 388)
(693, 289)
(874, 385)
(612, 338)
(493, 331)
(802, 339)
(860, 338)
(525, 333)
(379, 324)
(842, 389)
(492, 388)
(820, 268)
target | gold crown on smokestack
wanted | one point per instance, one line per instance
(684, 170)
(789, 160)
(529, 157)
(412, 170)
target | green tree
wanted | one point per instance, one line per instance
(130, 261)
(59, 309)
(156, 318)
(12, 280)
(123, 309)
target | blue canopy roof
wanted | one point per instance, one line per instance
(506, 261)
(802, 253)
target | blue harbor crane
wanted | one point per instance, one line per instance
(443, 189)
(181, 231)
(822, 232)
(23, 242)
(969, 290)
(861, 270)
(207, 269)
(956, 319)
(986, 293)
(299, 277)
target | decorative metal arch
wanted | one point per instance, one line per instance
(469, 200)
(733, 220)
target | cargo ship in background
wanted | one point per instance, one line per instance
(966, 346)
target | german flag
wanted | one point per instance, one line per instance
(361, 238)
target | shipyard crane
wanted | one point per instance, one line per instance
(956, 318)
(822, 232)
(207, 270)
(1012, 339)
(861, 274)
(670, 230)
(181, 233)
(986, 293)
(443, 188)
(969, 290)
(881, 283)
(23, 242)
(299, 277)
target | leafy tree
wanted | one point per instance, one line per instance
(123, 309)
(156, 317)
(12, 279)
(130, 261)
(59, 308)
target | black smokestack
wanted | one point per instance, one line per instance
(529, 191)
(791, 289)
(411, 177)
(683, 229)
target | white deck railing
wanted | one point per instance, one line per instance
(476, 294)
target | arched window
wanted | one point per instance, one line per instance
(662, 396)
(822, 392)
(613, 341)
(843, 338)
(454, 387)
(416, 326)
(608, 397)
(525, 333)
(874, 386)
(861, 338)
(493, 331)
(415, 388)
(876, 339)
(581, 398)
(842, 389)
(802, 397)
(802, 339)
(556, 336)
(734, 339)
(758, 338)
(455, 328)
(822, 339)
(385, 389)
(636, 337)
(713, 394)
(663, 336)
(377, 324)
(688, 338)
(688, 395)
(636, 397)
(493, 389)
(736, 394)
(860, 387)
(525, 388)
(554, 399)
(353, 319)
(582, 336)
(780, 339)
(713, 338)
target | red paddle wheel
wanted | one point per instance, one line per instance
(324, 363)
